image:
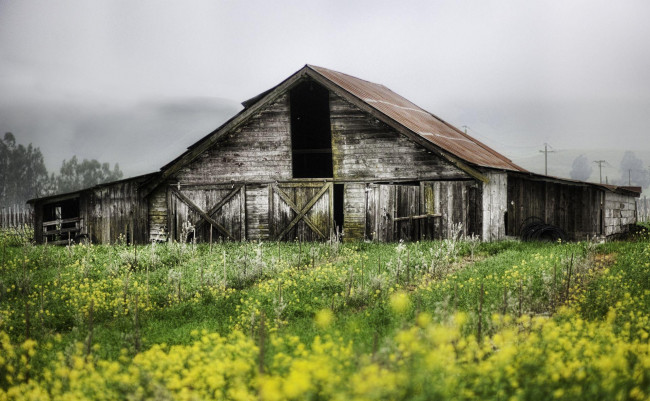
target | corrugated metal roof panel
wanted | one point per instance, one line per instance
(419, 121)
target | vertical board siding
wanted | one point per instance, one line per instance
(365, 148)
(157, 201)
(575, 209)
(115, 212)
(447, 198)
(354, 211)
(459, 204)
(495, 196)
(257, 212)
(260, 150)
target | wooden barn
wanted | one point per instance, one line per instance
(324, 152)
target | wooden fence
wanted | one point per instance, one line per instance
(15, 216)
(643, 209)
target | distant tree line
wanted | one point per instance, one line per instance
(631, 168)
(23, 174)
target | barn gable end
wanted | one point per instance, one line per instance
(243, 186)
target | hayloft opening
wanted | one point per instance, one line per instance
(311, 135)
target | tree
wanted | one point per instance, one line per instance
(74, 176)
(632, 171)
(23, 175)
(581, 168)
(22, 172)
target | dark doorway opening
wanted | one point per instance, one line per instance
(338, 206)
(311, 136)
(61, 221)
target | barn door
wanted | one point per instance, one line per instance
(300, 211)
(393, 212)
(458, 205)
(210, 212)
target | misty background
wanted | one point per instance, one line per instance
(135, 83)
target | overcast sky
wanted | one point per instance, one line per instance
(137, 82)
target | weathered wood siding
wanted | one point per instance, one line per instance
(365, 148)
(115, 210)
(494, 200)
(458, 202)
(157, 202)
(257, 212)
(381, 208)
(354, 211)
(620, 212)
(260, 150)
(300, 211)
(576, 209)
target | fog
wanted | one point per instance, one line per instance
(137, 82)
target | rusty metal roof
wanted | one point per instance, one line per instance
(419, 121)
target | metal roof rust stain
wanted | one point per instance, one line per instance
(419, 121)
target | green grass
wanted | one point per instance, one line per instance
(48, 292)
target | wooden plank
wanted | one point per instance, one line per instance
(61, 221)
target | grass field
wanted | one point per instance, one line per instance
(276, 321)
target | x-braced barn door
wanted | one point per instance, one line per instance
(207, 212)
(300, 211)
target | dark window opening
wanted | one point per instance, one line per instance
(311, 136)
(338, 206)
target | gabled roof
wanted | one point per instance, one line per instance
(407, 118)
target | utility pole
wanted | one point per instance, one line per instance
(629, 177)
(600, 168)
(546, 151)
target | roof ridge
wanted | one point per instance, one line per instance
(315, 68)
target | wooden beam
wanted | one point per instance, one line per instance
(419, 217)
(61, 221)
